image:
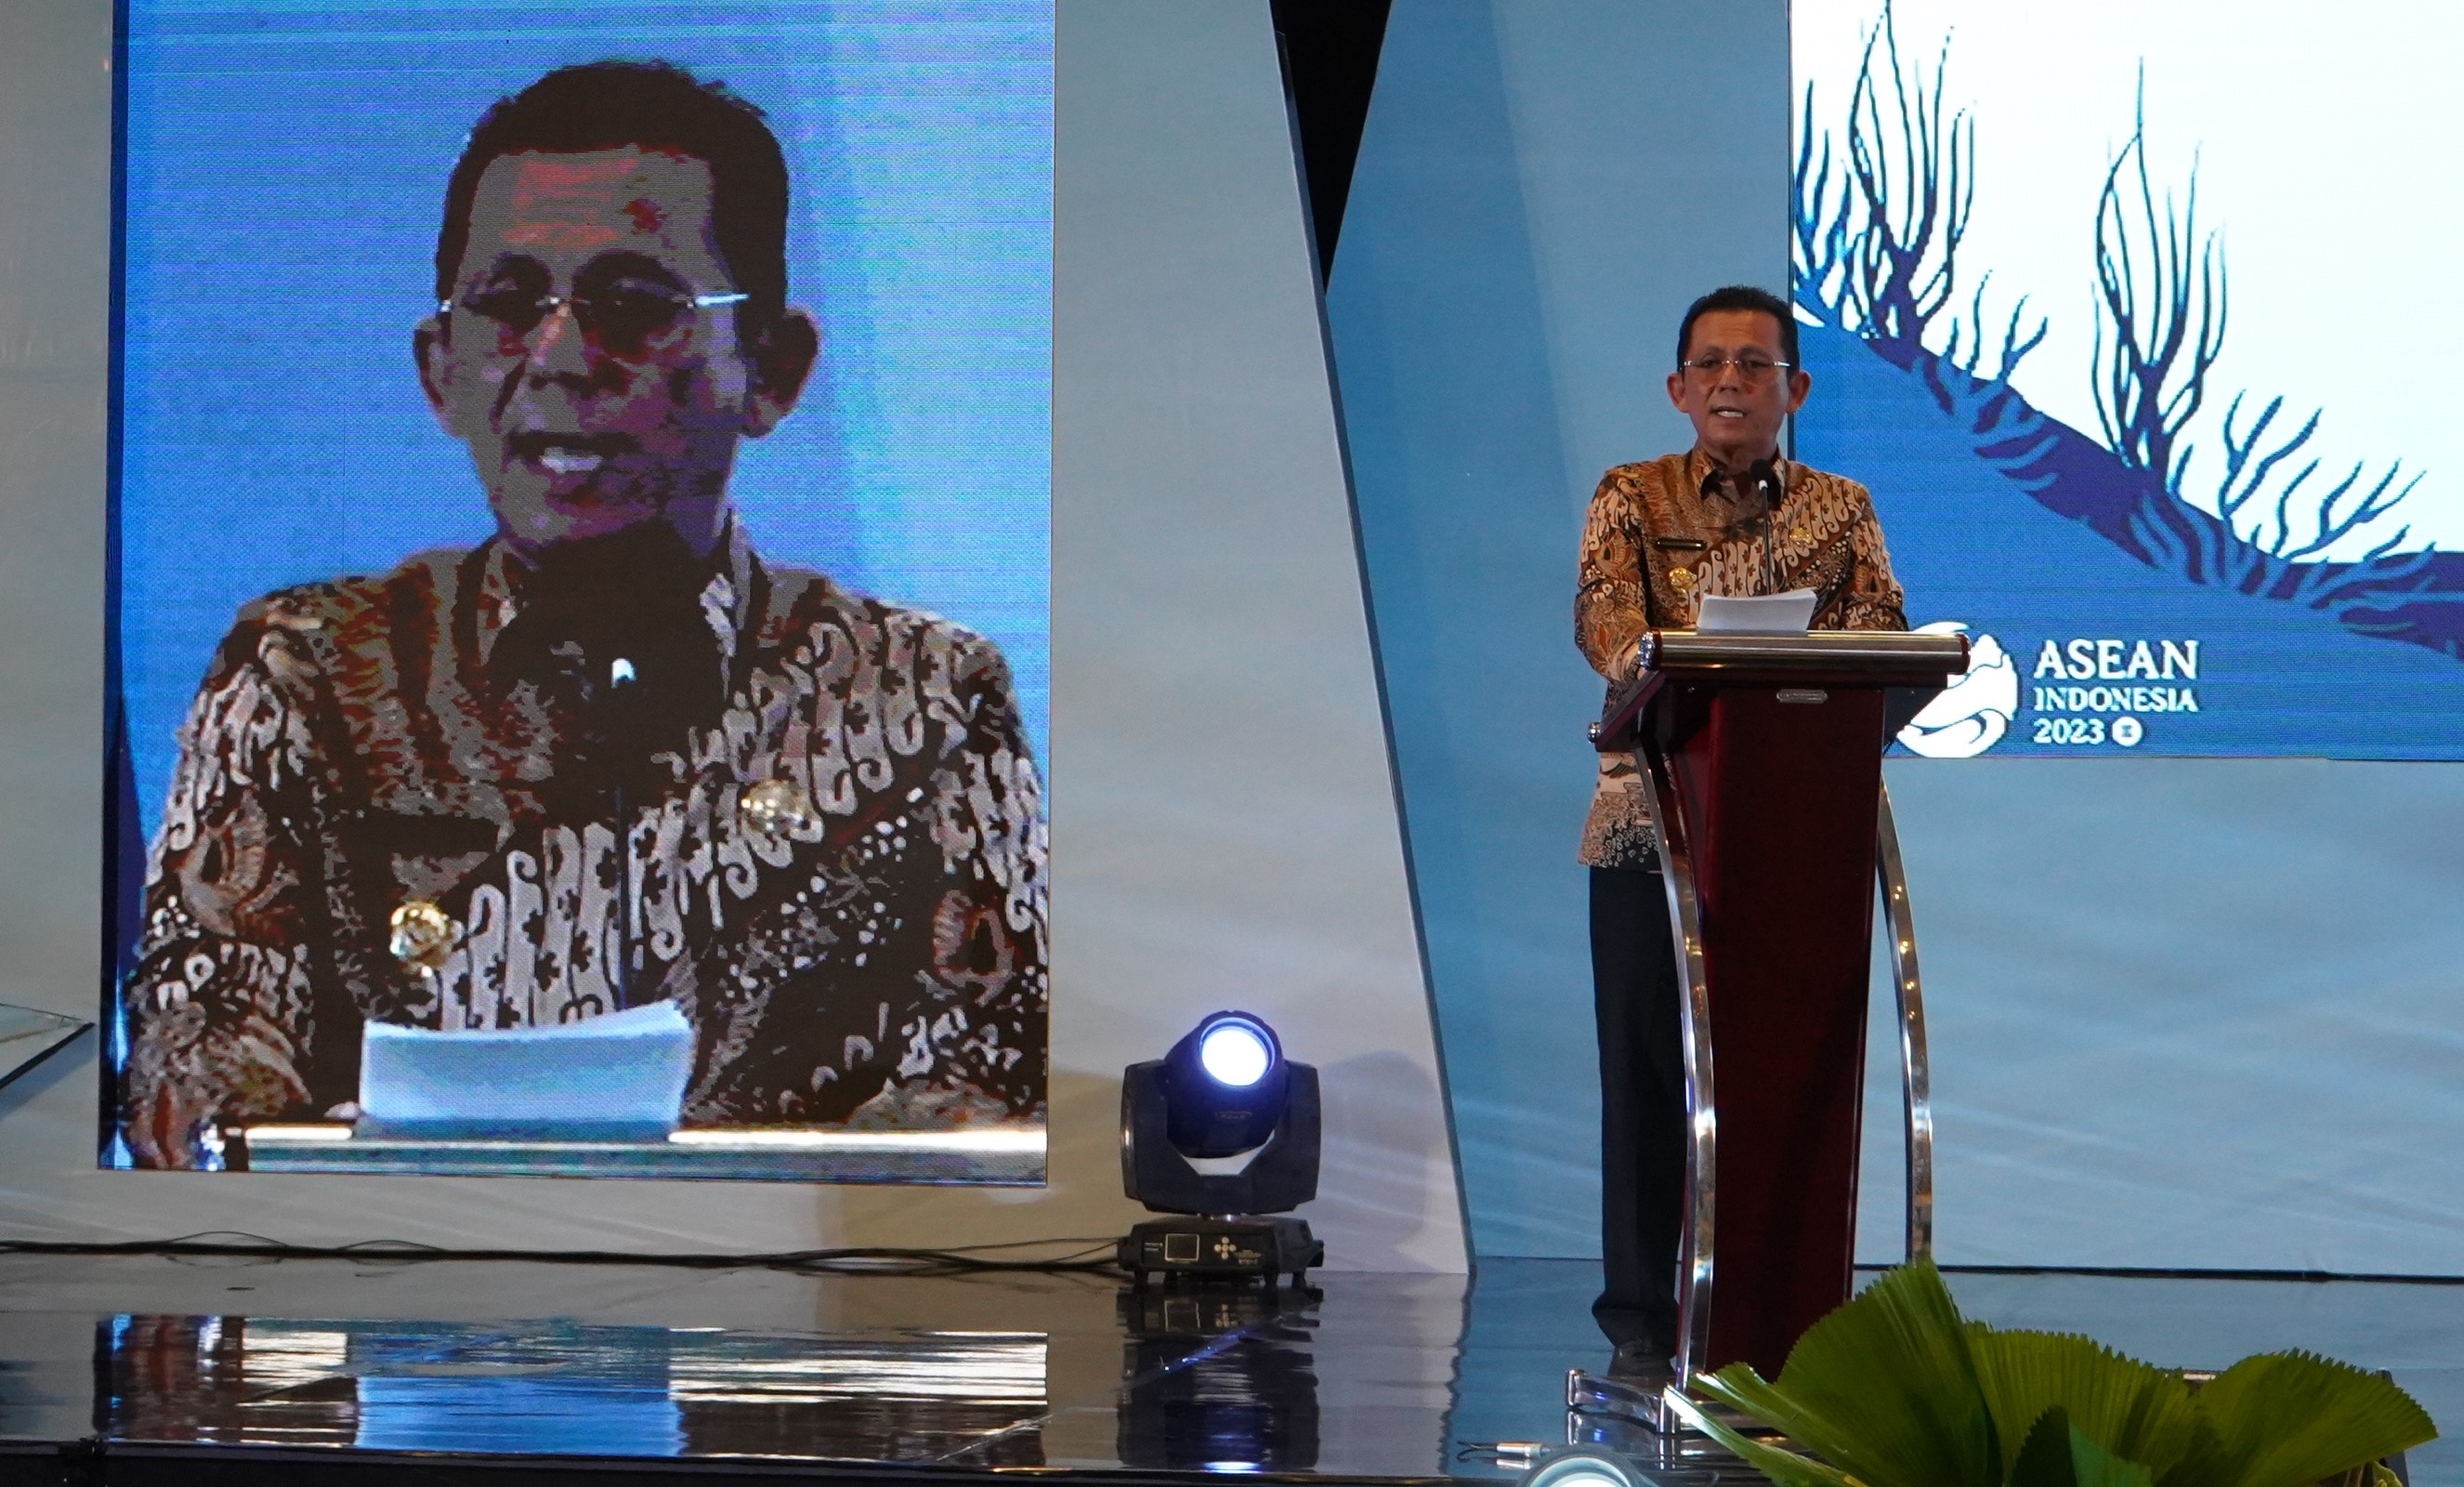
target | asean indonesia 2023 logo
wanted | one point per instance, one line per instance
(1971, 714)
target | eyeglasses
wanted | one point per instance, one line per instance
(627, 320)
(1750, 369)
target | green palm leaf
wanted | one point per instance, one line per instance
(2094, 1466)
(2140, 1413)
(1894, 1389)
(2287, 1419)
(1883, 1388)
(2055, 1452)
(1782, 1466)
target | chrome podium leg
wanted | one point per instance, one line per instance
(1916, 1083)
(1694, 1028)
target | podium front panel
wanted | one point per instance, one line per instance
(1778, 786)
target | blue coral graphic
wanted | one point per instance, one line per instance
(1884, 201)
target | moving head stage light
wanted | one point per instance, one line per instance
(1225, 1130)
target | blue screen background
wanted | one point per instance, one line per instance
(286, 165)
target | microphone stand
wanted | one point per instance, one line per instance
(1765, 477)
(622, 983)
(621, 679)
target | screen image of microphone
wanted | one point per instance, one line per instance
(624, 688)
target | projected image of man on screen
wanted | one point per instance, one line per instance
(1729, 515)
(608, 758)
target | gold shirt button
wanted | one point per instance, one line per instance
(1681, 578)
(421, 934)
(775, 808)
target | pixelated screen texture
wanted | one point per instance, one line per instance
(285, 172)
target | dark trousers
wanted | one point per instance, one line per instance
(1642, 1104)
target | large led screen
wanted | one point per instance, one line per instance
(2131, 323)
(579, 624)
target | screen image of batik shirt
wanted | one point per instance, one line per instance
(1659, 535)
(824, 841)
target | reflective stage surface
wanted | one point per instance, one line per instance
(148, 1369)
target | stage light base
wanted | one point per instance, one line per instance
(1197, 1248)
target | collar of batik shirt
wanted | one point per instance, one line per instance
(1711, 482)
(726, 597)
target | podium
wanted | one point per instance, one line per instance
(1764, 758)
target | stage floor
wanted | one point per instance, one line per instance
(149, 1369)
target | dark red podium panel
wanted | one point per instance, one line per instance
(1779, 797)
(1766, 760)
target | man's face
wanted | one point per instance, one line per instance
(617, 399)
(1736, 417)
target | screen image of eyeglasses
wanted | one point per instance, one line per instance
(627, 315)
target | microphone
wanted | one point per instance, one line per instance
(1766, 481)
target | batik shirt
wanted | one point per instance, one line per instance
(1661, 535)
(352, 749)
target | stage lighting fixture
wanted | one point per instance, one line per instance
(1222, 1133)
(1223, 1379)
(1584, 1466)
(1237, 1053)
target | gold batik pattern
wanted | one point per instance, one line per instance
(366, 743)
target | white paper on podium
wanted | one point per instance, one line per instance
(1760, 614)
(618, 1076)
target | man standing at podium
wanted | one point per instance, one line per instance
(1729, 515)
